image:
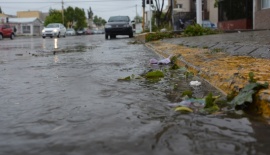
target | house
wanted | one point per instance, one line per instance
(244, 14)
(4, 17)
(234, 14)
(186, 10)
(261, 14)
(213, 11)
(28, 23)
(27, 26)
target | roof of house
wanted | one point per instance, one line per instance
(23, 20)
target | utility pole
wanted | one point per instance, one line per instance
(63, 12)
(143, 6)
(136, 10)
(150, 13)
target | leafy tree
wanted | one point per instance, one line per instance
(55, 16)
(69, 16)
(162, 19)
(79, 17)
(99, 21)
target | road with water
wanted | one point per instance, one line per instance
(62, 97)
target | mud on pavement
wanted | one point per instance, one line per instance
(225, 72)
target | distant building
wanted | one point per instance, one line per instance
(27, 26)
(4, 17)
(27, 14)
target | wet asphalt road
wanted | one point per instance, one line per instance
(62, 97)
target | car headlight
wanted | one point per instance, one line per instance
(43, 31)
(55, 30)
(108, 26)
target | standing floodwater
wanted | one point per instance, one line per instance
(62, 97)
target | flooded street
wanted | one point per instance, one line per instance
(62, 97)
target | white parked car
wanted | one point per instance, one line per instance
(70, 32)
(54, 30)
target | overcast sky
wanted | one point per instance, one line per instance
(101, 8)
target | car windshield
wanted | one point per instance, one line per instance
(119, 19)
(52, 26)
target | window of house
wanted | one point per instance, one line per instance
(179, 6)
(26, 29)
(265, 4)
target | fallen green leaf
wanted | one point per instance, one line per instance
(183, 109)
(245, 96)
(212, 109)
(154, 74)
(209, 101)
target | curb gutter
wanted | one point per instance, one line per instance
(226, 73)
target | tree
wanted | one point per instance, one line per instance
(161, 18)
(90, 13)
(79, 16)
(99, 21)
(55, 16)
(71, 16)
(1, 10)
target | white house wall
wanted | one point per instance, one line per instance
(185, 5)
(36, 23)
(213, 12)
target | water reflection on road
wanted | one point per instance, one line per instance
(71, 103)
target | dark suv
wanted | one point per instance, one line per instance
(6, 31)
(118, 25)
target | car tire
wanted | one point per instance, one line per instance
(106, 36)
(130, 35)
(1, 36)
(51, 36)
(12, 36)
(58, 36)
(43, 37)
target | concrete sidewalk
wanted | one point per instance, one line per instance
(251, 43)
(224, 60)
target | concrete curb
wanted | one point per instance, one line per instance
(182, 62)
(225, 72)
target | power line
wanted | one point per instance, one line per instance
(98, 1)
(115, 9)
